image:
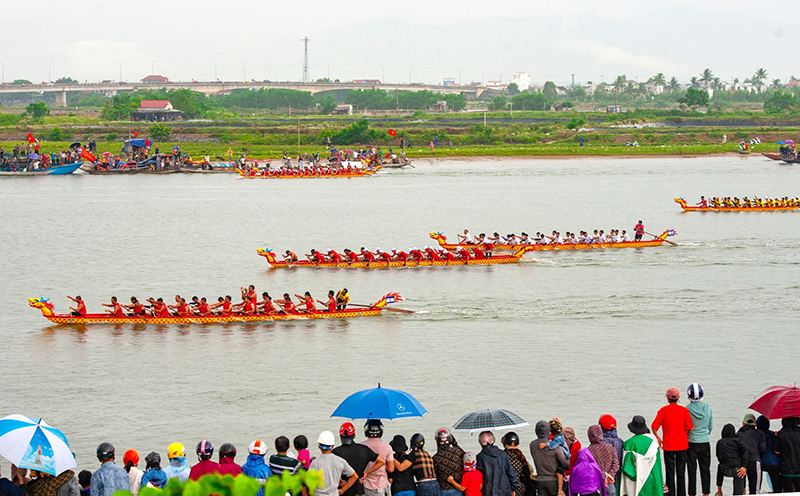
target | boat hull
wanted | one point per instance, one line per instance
(565, 246)
(61, 170)
(211, 319)
(496, 259)
(315, 176)
(772, 155)
(687, 208)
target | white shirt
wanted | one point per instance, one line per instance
(558, 240)
(468, 238)
(626, 238)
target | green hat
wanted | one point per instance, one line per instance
(749, 419)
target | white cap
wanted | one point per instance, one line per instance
(459, 248)
(377, 250)
(326, 439)
(415, 248)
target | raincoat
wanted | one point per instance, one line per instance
(156, 477)
(257, 468)
(228, 467)
(640, 474)
(178, 468)
(586, 476)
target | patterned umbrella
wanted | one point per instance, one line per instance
(489, 420)
(33, 444)
(778, 402)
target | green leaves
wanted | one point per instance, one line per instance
(236, 486)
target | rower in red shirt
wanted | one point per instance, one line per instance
(334, 257)
(227, 306)
(331, 303)
(384, 256)
(416, 255)
(287, 304)
(136, 307)
(463, 254)
(350, 255)
(448, 255)
(80, 311)
(308, 301)
(400, 256)
(159, 307)
(432, 255)
(183, 309)
(367, 255)
(116, 308)
(203, 309)
(250, 294)
(478, 253)
(315, 257)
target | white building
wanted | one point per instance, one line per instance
(522, 79)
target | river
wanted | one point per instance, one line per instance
(576, 335)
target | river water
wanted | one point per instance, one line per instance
(576, 335)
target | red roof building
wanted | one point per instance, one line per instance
(155, 79)
(155, 105)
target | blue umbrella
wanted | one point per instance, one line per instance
(780, 143)
(379, 403)
(33, 444)
(489, 420)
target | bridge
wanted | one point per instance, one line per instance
(210, 87)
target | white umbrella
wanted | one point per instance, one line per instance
(34, 445)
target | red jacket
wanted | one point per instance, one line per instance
(676, 422)
(228, 467)
(202, 468)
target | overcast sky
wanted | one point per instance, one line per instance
(421, 41)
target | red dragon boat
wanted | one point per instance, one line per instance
(687, 208)
(48, 312)
(275, 174)
(442, 239)
(377, 264)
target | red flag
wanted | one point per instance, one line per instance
(392, 132)
(136, 134)
(88, 156)
(31, 139)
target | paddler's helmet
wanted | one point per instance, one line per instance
(417, 441)
(695, 392)
(175, 450)
(205, 450)
(373, 428)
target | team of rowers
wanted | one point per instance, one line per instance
(307, 171)
(748, 203)
(427, 253)
(599, 236)
(200, 307)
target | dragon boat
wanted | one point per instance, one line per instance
(57, 170)
(48, 312)
(687, 208)
(378, 264)
(266, 174)
(442, 240)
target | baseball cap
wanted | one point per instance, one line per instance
(673, 393)
(749, 419)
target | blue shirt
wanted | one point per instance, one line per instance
(108, 479)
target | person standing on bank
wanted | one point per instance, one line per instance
(675, 422)
(699, 440)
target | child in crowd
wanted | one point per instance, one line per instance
(471, 478)
(301, 446)
(85, 480)
(732, 457)
(556, 438)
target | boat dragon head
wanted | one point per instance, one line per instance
(266, 252)
(42, 304)
(389, 298)
(680, 201)
(438, 236)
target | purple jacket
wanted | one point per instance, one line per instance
(586, 477)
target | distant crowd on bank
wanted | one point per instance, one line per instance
(559, 463)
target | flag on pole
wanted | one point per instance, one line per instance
(392, 132)
(136, 134)
(31, 139)
(88, 156)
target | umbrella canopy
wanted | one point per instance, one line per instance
(33, 444)
(778, 402)
(76, 144)
(379, 403)
(780, 143)
(789, 142)
(489, 420)
(33, 156)
(106, 154)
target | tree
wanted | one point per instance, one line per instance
(673, 84)
(498, 103)
(327, 104)
(659, 79)
(694, 83)
(66, 80)
(159, 131)
(759, 76)
(530, 101)
(619, 83)
(706, 77)
(550, 91)
(716, 83)
(456, 102)
(37, 110)
(119, 107)
(21, 81)
(776, 84)
(694, 98)
(513, 89)
(777, 102)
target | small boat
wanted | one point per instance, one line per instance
(744, 152)
(686, 208)
(58, 170)
(562, 246)
(494, 259)
(267, 174)
(47, 310)
(772, 155)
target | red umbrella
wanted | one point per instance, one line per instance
(778, 402)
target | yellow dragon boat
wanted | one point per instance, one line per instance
(658, 241)
(48, 312)
(687, 208)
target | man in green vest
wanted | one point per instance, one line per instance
(641, 462)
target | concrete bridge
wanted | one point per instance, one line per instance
(210, 88)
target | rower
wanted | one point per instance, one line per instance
(416, 255)
(350, 255)
(703, 203)
(80, 311)
(116, 308)
(183, 309)
(602, 238)
(524, 240)
(136, 307)
(447, 255)
(330, 305)
(227, 306)
(250, 294)
(160, 309)
(625, 237)
(384, 256)
(465, 238)
(287, 304)
(290, 257)
(334, 257)
(195, 302)
(571, 239)
(432, 255)
(487, 248)
(494, 238)
(308, 301)
(638, 231)
(463, 254)
(399, 256)
(511, 239)
(367, 255)
(342, 299)
(203, 308)
(267, 305)
(478, 253)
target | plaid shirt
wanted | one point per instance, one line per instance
(448, 460)
(423, 465)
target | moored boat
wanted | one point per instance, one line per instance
(379, 264)
(48, 312)
(268, 174)
(58, 170)
(658, 241)
(687, 208)
(772, 155)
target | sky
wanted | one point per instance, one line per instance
(397, 42)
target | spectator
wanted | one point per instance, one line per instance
(44, 484)
(205, 465)
(301, 445)
(153, 475)
(675, 422)
(518, 462)
(131, 461)
(548, 463)
(574, 446)
(109, 478)
(255, 466)
(376, 483)
(770, 458)
(227, 466)
(699, 440)
(499, 479)
(421, 465)
(605, 455)
(358, 457)
(448, 462)
(178, 467)
(402, 478)
(586, 476)
(640, 457)
(281, 462)
(732, 459)
(471, 479)
(787, 446)
(755, 442)
(333, 468)
(609, 425)
(85, 481)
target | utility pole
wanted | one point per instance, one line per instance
(305, 60)
(298, 135)
(396, 102)
(573, 80)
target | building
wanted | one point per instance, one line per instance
(439, 106)
(654, 88)
(155, 111)
(496, 85)
(344, 109)
(367, 81)
(449, 82)
(155, 79)
(522, 80)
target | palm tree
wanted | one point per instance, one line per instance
(706, 77)
(776, 84)
(694, 83)
(759, 76)
(673, 84)
(659, 79)
(619, 83)
(715, 83)
(629, 88)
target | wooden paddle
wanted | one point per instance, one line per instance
(665, 240)
(391, 309)
(529, 259)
